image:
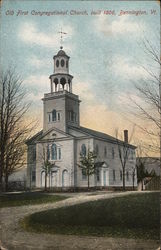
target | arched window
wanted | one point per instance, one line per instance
(54, 115)
(83, 150)
(54, 152)
(62, 82)
(57, 63)
(65, 181)
(62, 62)
(56, 80)
(66, 64)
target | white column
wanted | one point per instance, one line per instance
(70, 89)
(51, 83)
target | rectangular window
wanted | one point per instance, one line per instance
(84, 176)
(114, 176)
(127, 176)
(59, 153)
(34, 176)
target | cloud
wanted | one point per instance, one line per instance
(30, 33)
(99, 117)
(38, 63)
(39, 82)
(84, 90)
(34, 98)
(124, 68)
(120, 26)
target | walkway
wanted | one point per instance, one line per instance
(14, 237)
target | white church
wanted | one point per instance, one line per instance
(63, 139)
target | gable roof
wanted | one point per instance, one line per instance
(100, 135)
(40, 135)
(56, 130)
(34, 138)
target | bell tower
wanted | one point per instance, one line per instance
(61, 106)
(61, 79)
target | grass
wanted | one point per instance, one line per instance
(30, 198)
(132, 216)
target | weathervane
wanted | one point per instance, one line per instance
(61, 38)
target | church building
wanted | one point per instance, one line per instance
(63, 139)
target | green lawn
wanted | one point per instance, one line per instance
(29, 198)
(132, 216)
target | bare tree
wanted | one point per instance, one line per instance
(124, 149)
(13, 127)
(149, 92)
(46, 164)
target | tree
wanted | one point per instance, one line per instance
(87, 164)
(134, 172)
(14, 129)
(123, 151)
(47, 165)
(141, 163)
(148, 105)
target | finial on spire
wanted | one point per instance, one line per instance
(61, 38)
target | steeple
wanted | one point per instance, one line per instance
(61, 79)
(61, 106)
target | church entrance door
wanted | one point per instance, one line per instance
(65, 178)
(54, 179)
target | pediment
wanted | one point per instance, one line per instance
(54, 134)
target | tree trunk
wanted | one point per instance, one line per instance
(45, 181)
(1, 170)
(133, 182)
(88, 182)
(123, 179)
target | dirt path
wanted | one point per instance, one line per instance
(14, 237)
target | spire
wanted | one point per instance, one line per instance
(61, 38)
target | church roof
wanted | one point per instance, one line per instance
(87, 131)
(61, 53)
(32, 139)
(100, 135)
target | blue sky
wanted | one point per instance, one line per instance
(106, 52)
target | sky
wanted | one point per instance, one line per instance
(106, 52)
